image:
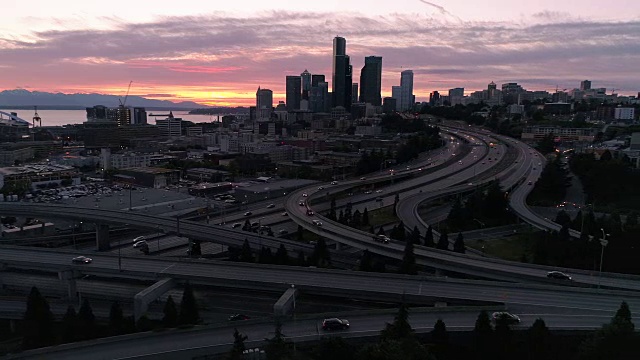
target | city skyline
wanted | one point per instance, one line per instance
(221, 58)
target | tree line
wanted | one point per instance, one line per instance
(489, 340)
(483, 209)
(39, 327)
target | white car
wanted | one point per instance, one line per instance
(317, 222)
(334, 183)
(383, 239)
(140, 244)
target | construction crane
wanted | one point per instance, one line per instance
(123, 103)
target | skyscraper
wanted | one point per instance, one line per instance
(139, 116)
(306, 84)
(354, 93)
(320, 101)
(371, 81)
(396, 93)
(264, 103)
(406, 95)
(341, 77)
(585, 85)
(294, 90)
(316, 79)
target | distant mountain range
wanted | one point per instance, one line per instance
(19, 98)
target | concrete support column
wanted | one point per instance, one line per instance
(69, 276)
(102, 237)
(338, 246)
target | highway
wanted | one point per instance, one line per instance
(343, 283)
(183, 344)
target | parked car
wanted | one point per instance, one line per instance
(335, 324)
(81, 260)
(271, 206)
(507, 317)
(558, 275)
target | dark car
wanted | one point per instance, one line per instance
(248, 213)
(236, 317)
(558, 275)
(335, 324)
(505, 317)
(81, 260)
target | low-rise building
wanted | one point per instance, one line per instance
(204, 189)
(33, 175)
(148, 176)
(561, 133)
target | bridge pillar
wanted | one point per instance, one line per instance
(286, 303)
(69, 276)
(143, 298)
(338, 246)
(102, 237)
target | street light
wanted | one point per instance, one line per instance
(295, 327)
(604, 243)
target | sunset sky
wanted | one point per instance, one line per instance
(219, 52)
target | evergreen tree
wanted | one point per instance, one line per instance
(170, 311)
(332, 210)
(245, 252)
(408, 265)
(381, 231)
(615, 340)
(238, 345)
(456, 218)
(458, 245)
(443, 242)
(321, 256)
(86, 321)
(246, 226)
(372, 230)
(300, 233)
(196, 249)
(440, 339)
(564, 234)
(400, 328)
(144, 324)
(69, 326)
(415, 235)
(189, 313)
(503, 339)
(539, 341)
(365, 217)
(428, 238)
(563, 218)
(266, 257)
(357, 218)
(341, 218)
(396, 200)
(38, 321)
(278, 348)
(282, 257)
(302, 260)
(366, 261)
(400, 232)
(334, 348)
(116, 319)
(483, 337)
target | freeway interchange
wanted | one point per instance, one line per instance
(459, 168)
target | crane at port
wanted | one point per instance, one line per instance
(124, 102)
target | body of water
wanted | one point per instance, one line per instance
(64, 117)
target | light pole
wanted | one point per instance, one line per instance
(295, 325)
(604, 243)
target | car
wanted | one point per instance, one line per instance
(236, 225)
(301, 203)
(317, 222)
(558, 275)
(383, 239)
(236, 317)
(320, 187)
(334, 183)
(378, 191)
(248, 213)
(285, 214)
(363, 178)
(140, 244)
(81, 260)
(368, 192)
(283, 232)
(305, 195)
(139, 238)
(335, 324)
(507, 317)
(309, 212)
(529, 183)
(271, 206)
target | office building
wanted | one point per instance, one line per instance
(585, 85)
(306, 84)
(396, 93)
(101, 114)
(371, 81)
(342, 74)
(434, 98)
(354, 93)
(455, 96)
(389, 105)
(316, 79)
(320, 100)
(139, 116)
(170, 127)
(406, 90)
(264, 103)
(625, 114)
(294, 91)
